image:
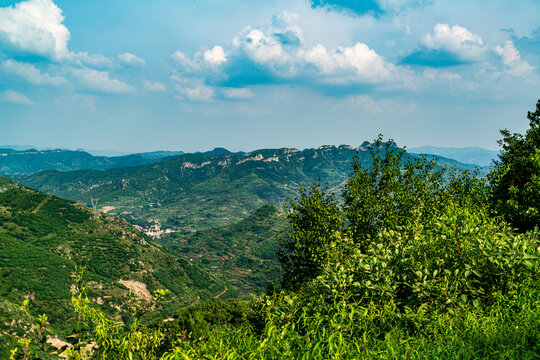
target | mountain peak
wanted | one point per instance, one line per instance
(217, 151)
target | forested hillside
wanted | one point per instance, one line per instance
(245, 253)
(44, 239)
(20, 162)
(404, 260)
(195, 191)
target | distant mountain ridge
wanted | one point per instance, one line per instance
(191, 191)
(25, 160)
(30, 161)
(467, 155)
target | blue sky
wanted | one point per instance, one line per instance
(192, 75)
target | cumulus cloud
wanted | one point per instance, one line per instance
(99, 81)
(455, 39)
(131, 60)
(448, 46)
(15, 97)
(275, 54)
(512, 60)
(274, 44)
(357, 63)
(154, 86)
(34, 27)
(30, 73)
(261, 47)
(215, 56)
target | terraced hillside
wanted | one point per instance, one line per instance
(43, 239)
(244, 254)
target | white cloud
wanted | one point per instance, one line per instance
(278, 48)
(34, 26)
(512, 59)
(237, 93)
(15, 97)
(191, 89)
(358, 62)
(215, 56)
(131, 60)
(271, 44)
(260, 47)
(30, 73)
(274, 54)
(92, 60)
(154, 86)
(99, 81)
(455, 39)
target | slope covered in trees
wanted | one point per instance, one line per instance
(44, 239)
(245, 253)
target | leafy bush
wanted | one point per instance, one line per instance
(515, 177)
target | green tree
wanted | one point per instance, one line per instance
(396, 190)
(515, 176)
(393, 190)
(314, 218)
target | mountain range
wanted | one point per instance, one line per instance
(194, 191)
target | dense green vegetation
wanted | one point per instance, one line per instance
(244, 254)
(516, 176)
(43, 239)
(409, 262)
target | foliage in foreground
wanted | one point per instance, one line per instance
(411, 267)
(515, 177)
(451, 283)
(462, 286)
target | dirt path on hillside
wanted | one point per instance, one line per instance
(221, 293)
(43, 202)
